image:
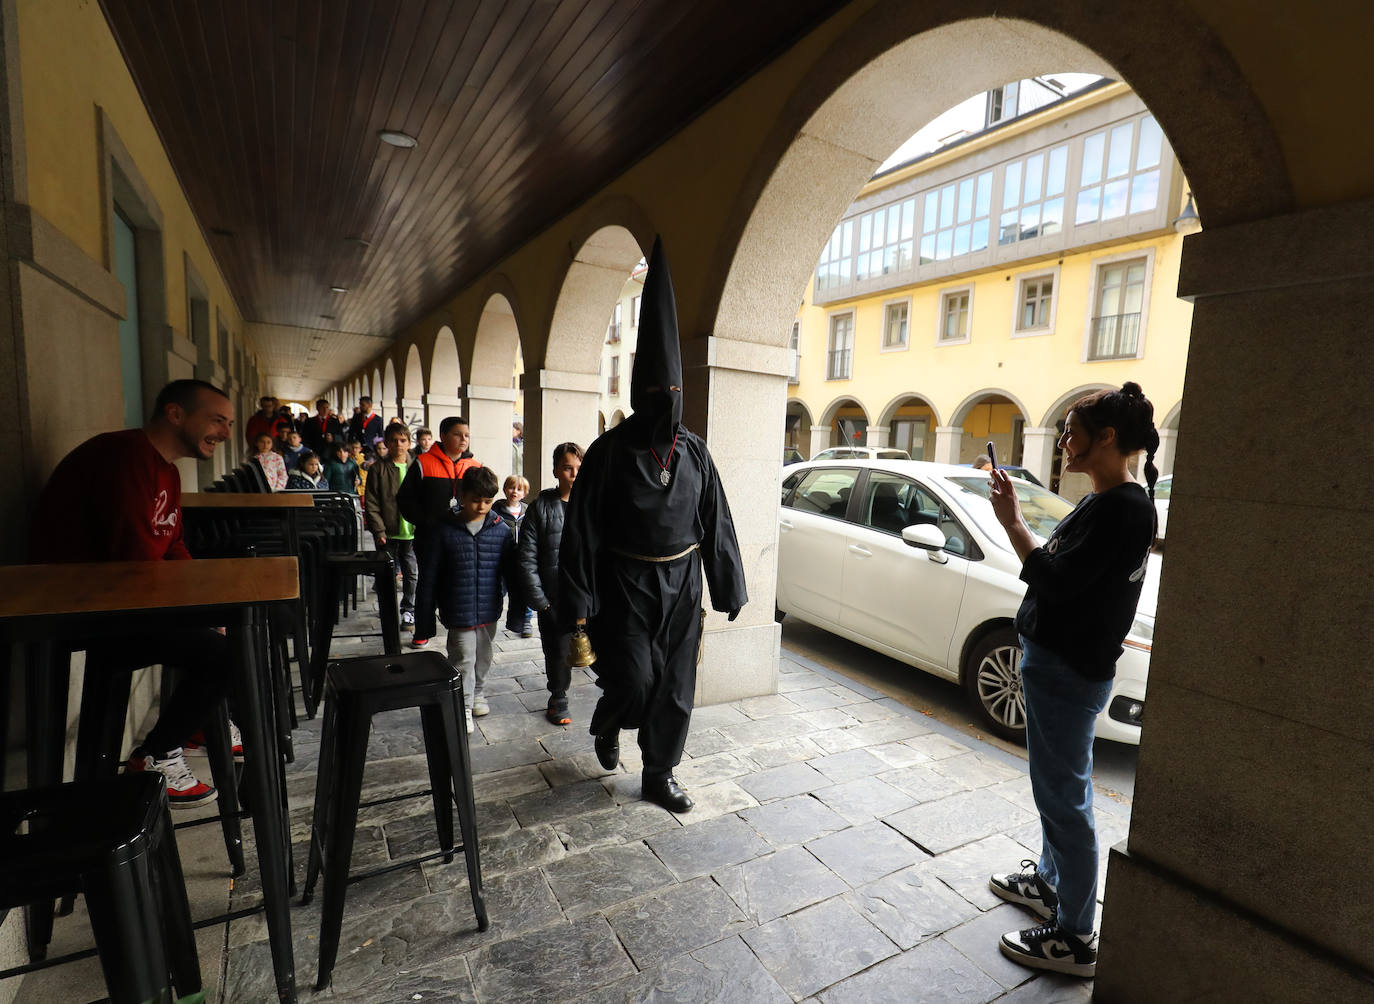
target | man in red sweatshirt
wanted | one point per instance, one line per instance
(136, 516)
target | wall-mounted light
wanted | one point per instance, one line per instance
(1188, 221)
(398, 139)
(338, 289)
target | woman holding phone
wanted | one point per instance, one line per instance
(1082, 587)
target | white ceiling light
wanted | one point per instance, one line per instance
(403, 140)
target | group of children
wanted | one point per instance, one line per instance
(288, 464)
(488, 549)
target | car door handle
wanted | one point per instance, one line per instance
(862, 552)
(784, 525)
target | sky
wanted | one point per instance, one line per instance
(966, 116)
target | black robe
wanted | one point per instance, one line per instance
(644, 617)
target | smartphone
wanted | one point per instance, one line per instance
(992, 454)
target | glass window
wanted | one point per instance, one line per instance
(1147, 152)
(825, 491)
(1144, 191)
(1092, 158)
(895, 325)
(790, 482)
(1119, 153)
(1054, 177)
(1116, 323)
(1024, 214)
(954, 315)
(1037, 296)
(891, 503)
(1123, 192)
(840, 362)
(955, 220)
(834, 267)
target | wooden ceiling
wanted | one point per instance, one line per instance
(271, 109)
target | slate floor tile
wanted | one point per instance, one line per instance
(899, 754)
(959, 819)
(781, 751)
(923, 783)
(764, 730)
(781, 782)
(571, 769)
(499, 756)
(966, 869)
(724, 973)
(937, 747)
(977, 941)
(675, 921)
(716, 800)
(767, 705)
(791, 683)
(572, 960)
(624, 824)
(793, 820)
(716, 715)
(558, 804)
(911, 906)
(593, 880)
(699, 850)
(932, 973)
(1051, 988)
(706, 742)
(710, 769)
(815, 700)
(864, 799)
(974, 770)
(864, 853)
(849, 766)
(500, 853)
(769, 887)
(446, 980)
(826, 719)
(820, 945)
(509, 783)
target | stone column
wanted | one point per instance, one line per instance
(560, 407)
(490, 411)
(1164, 458)
(1247, 869)
(820, 439)
(735, 396)
(878, 435)
(948, 439)
(437, 407)
(1037, 450)
(412, 412)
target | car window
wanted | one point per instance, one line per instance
(1040, 508)
(893, 455)
(825, 491)
(1162, 488)
(790, 482)
(891, 503)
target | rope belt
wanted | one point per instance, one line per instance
(647, 557)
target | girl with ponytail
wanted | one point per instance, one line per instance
(1081, 595)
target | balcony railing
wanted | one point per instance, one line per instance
(1115, 336)
(839, 363)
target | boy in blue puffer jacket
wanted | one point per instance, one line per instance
(465, 571)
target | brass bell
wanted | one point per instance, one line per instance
(580, 652)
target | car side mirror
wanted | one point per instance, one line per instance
(924, 535)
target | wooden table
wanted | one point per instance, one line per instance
(63, 607)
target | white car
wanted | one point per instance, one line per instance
(1163, 489)
(862, 453)
(906, 558)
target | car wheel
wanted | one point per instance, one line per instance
(778, 615)
(992, 678)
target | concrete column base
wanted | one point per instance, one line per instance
(948, 439)
(438, 407)
(878, 435)
(1164, 457)
(490, 411)
(412, 413)
(560, 407)
(1037, 450)
(820, 439)
(738, 662)
(1208, 949)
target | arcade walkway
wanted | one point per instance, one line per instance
(838, 852)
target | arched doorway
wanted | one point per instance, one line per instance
(990, 415)
(412, 403)
(445, 381)
(909, 423)
(1043, 446)
(844, 423)
(797, 428)
(489, 397)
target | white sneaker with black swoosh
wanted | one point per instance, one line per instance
(1046, 946)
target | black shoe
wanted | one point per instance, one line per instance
(1026, 888)
(1047, 946)
(665, 791)
(608, 750)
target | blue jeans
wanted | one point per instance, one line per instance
(1061, 708)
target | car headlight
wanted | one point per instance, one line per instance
(1142, 633)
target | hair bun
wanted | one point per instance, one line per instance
(1132, 389)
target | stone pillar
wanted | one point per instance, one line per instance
(820, 439)
(948, 440)
(412, 412)
(560, 407)
(1037, 450)
(437, 407)
(1164, 457)
(490, 411)
(1247, 869)
(879, 435)
(735, 396)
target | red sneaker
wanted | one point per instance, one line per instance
(419, 642)
(195, 746)
(184, 789)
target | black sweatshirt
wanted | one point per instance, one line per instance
(1085, 582)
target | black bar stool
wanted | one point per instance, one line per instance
(355, 690)
(336, 567)
(112, 841)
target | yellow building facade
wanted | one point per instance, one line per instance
(973, 294)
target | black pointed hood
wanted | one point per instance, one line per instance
(656, 383)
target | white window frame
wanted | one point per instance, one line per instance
(945, 294)
(853, 315)
(1095, 271)
(1047, 329)
(794, 344)
(882, 333)
(634, 311)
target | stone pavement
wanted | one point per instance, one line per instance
(839, 851)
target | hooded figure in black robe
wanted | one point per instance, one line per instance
(647, 516)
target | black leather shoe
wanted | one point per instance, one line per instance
(665, 791)
(608, 750)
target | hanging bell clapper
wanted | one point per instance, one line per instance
(580, 652)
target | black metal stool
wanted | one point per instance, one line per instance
(336, 566)
(112, 841)
(355, 690)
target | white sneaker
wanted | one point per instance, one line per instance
(184, 789)
(468, 715)
(480, 707)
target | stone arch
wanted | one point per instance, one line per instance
(445, 373)
(587, 295)
(890, 409)
(489, 394)
(827, 431)
(961, 413)
(1171, 418)
(617, 417)
(900, 65)
(908, 422)
(1055, 413)
(797, 425)
(376, 389)
(387, 399)
(411, 410)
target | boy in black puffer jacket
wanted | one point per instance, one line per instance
(466, 567)
(538, 563)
